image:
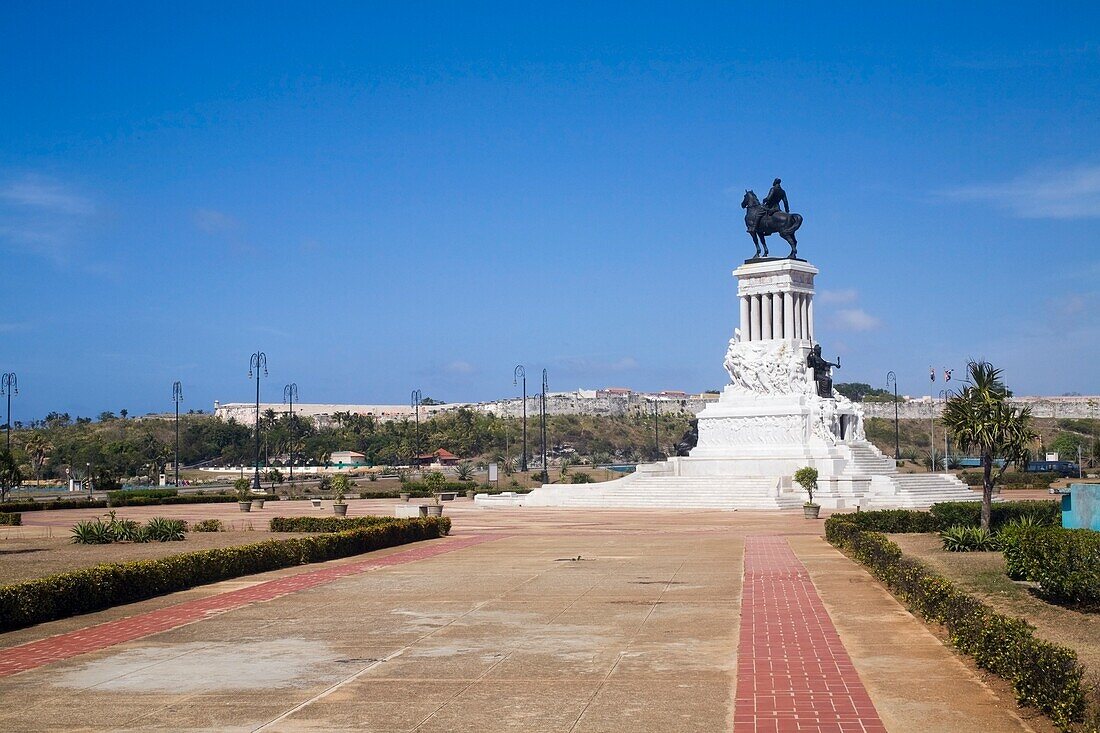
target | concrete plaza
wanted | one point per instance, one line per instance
(522, 620)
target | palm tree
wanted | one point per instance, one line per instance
(10, 475)
(38, 450)
(980, 418)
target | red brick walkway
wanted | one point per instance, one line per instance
(63, 646)
(793, 673)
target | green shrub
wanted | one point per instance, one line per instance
(325, 524)
(1013, 479)
(146, 493)
(967, 539)
(1043, 675)
(36, 506)
(11, 519)
(92, 532)
(580, 477)
(1064, 562)
(895, 520)
(968, 513)
(92, 589)
(162, 529)
(208, 525)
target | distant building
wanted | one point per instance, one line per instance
(346, 459)
(441, 457)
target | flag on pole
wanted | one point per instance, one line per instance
(947, 375)
(932, 373)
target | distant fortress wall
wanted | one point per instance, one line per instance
(620, 402)
(580, 402)
(1052, 407)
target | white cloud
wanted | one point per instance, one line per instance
(1069, 193)
(39, 193)
(42, 217)
(837, 296)
(459, 367)
(856, 319)
(212, 221)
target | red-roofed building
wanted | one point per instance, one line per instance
(440, 457)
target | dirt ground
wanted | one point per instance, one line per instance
(24, 558)
(982, 573)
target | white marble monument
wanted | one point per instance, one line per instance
(769, 421)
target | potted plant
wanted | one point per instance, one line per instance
(339, 486)
(470, 492)
(244, 498)
(807, 479)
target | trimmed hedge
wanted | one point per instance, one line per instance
(92, 589)
(35, 506)
(969, 513)
(1043, 675)
(11, 519)
(326, 524)
(1064, 562)
(151, 493)
(954, 514)
(1012, 479)
(127, 498)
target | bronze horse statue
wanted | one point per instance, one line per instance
(770, 222)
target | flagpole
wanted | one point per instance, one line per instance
(932, 415)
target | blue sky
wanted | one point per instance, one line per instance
(423, 195)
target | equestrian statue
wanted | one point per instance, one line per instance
(765, 217)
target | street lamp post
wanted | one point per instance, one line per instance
(290, 393)
(656, 433)
(177, 397)
(88, 474)
(416, 398)
(892, 378)
(542, 417)
(520, 373)
(932, 428)
(257, 362)
(946, 448)
(9, 385)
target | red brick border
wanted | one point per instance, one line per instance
(93, 638)
(793, 673)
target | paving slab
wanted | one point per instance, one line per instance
(562, 621)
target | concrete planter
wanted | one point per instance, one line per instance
(811, 511)
(404, 495)
(244, 506)
(435, 510)
(316, 503)
(470, 493)
(340, 510)
(258, 503)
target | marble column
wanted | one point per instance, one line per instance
(810, 315)
(788, 315)
(754, 318)
(777, 315)
(745, 322)
(805, 320)
(797, 316)
(766, 316)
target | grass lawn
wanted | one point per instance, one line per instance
(24, 558)
(982, 573)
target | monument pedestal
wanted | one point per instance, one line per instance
(777, 415)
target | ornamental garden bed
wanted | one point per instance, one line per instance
(24, 559)
(1047, 654)
(983, 574)
(95, 588)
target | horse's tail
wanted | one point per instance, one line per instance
(796, 222)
